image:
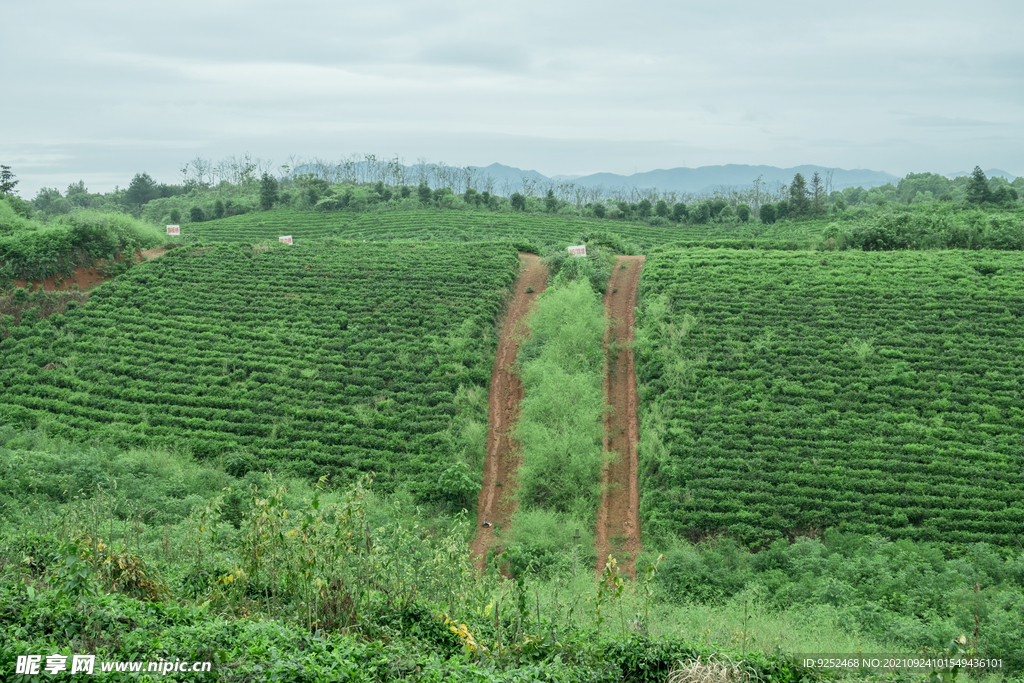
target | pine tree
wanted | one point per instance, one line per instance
(978, 191)
(7, 180)
(268, 191)
(799, 202)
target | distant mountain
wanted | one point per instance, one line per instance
(697, 180)
(511, 176)
(705, 179)
(992, 172)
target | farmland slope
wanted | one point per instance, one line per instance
(496, 503)
(328, 359)
(618, 523)
(879, 393)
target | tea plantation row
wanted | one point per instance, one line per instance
(541, 230)
(332, 358)
(879, 393)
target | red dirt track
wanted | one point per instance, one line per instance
(618, 518)
(497, 495)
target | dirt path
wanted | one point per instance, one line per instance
(618, 517)
(497, 496)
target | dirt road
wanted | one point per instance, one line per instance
(618, 518)
(497, 496)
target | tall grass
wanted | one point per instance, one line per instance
(560, 431)
(560, 423)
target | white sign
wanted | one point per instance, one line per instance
(173, 229)
(287, 239)
(581, 250)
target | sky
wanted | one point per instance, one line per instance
(103, 90)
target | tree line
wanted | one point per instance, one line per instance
(234, 185)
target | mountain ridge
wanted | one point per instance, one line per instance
(700, 180)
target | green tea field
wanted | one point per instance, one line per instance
(784, 393)
(541, 230)
(328, 358)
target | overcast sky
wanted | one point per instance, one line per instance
(104, 89)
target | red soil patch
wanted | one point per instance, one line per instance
(496, 504)
(84, 278)
(618, 517)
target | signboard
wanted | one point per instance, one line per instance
(173, 229)
(581, 250)
(287, 239)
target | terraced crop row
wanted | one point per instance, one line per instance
(331, 358)
(464, 226)
(880, 393)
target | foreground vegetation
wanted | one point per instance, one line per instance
(146, 555)
(154, 556)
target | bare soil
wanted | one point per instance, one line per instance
(85, 278)
(497, 504)
(618, 517)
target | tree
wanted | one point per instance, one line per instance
(643, 209)
(799, 202)
(782, 210)
(550, 203)
(680, 213)
(767, 214)
(743, 211)
(716, 206)
(197, 214)
(142, 189)
(599, 209)
(268, 191)
(50, 202)
(1004, 194)
(423, 192)
(661, 209)
(817, 193)
(978, 191)
(176, 216)
(701, 213)
(7, 181)
(518, 202)
(78, 194)
(218, 209)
